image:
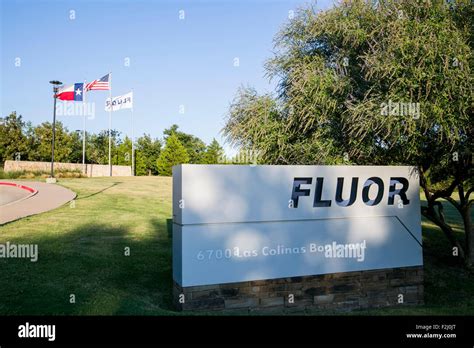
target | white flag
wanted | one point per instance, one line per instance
(121, 102)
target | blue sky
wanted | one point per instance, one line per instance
(173, 62)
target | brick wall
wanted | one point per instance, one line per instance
(92, 170)
(337, 291)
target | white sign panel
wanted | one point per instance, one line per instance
(242, 223)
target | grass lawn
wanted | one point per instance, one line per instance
(82, 252)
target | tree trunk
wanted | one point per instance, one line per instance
(466, 217)
(465, 253)
(447, 230)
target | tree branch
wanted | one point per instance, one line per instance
(431, 215)
(440, 210)
(461, 193)
(453, 202)
(446, 192)
(423, 183)
(468, 193)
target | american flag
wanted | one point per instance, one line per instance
(101, 84)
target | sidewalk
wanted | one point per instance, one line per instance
(49, 196)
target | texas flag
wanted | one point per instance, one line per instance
(73, 92)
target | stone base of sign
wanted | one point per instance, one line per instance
(337, 291)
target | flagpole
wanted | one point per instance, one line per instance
(110, 125)
(84, 128)
(133, 142)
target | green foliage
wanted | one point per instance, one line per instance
(260, 124)
(337, 68)
(146, 154)
(214, 153)
(34, 143)
(194, 146)
(123, 152)
(76, 147)
(41, 139)
(174, 153)
(97, 148)
(12, 138)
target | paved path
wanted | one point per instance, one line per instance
(49, 196)
(9, 194)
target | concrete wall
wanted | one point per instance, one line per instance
(92, 170)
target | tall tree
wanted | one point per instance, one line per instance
(76, 147)
(12, 138)
(146, 154)
(214, 153)
(174, 153)
(195, 147)
(123, 155)
(41, 143)
(98, 146)
(383, 82)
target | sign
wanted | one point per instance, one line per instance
(234, 223)
(121, 102)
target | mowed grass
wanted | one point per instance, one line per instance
(82, 253)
